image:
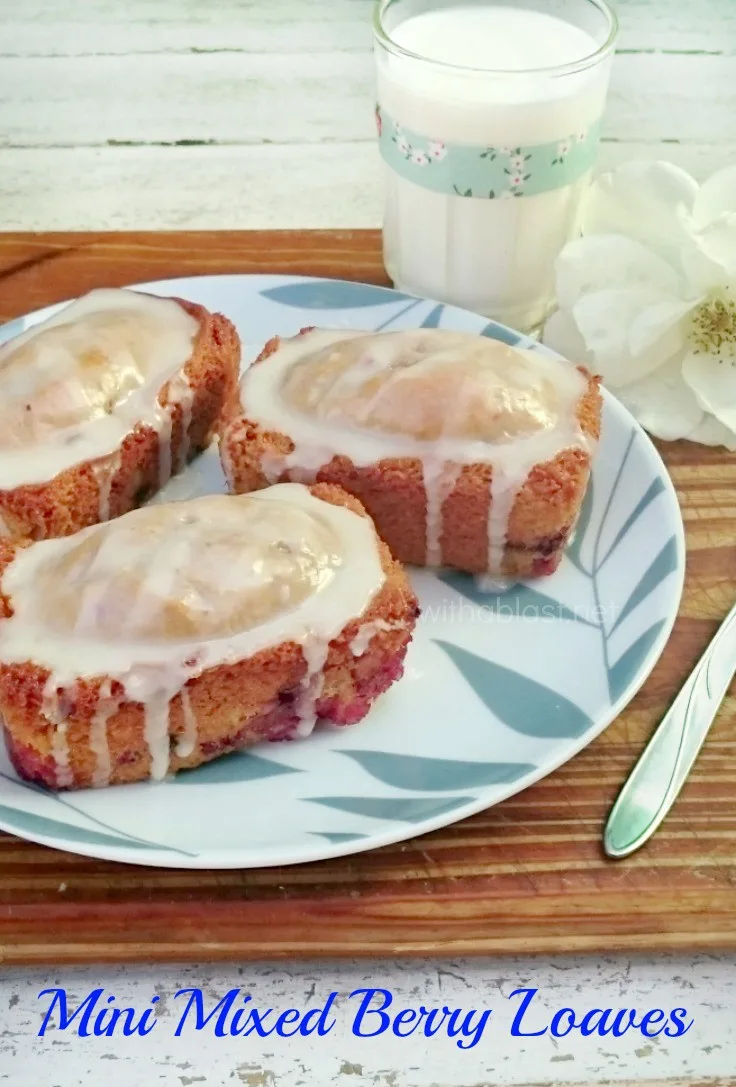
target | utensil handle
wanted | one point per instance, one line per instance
(665, 763)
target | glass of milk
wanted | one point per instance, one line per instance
(488, 117)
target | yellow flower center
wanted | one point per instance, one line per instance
(713, 324)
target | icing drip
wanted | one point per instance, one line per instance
(448, 399)
(157, 597)
(273, 465)
(367, 631)
(315, 654)
(183, 393)
(484, 583)
(441, 475)
(107, 706)
(164, 429)
(189, 737)
(105, 473)
(156, 732)
(439, 479)
(51, 708)
(503, 492)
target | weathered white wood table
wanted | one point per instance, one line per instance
(257, 113)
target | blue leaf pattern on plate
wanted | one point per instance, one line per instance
(664, 564)
(580, 530)
(655, 488)
(11, 329)
(231, 768)
(113, 835)
(622, 672)
(432, 320)
(336, 837)
(391, 807)
(29, 824)
(424, 774)
(522, 703)
(331, 294)
(518, 599)
(498, 332)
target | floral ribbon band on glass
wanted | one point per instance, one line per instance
(485, 172)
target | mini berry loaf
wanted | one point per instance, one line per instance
(466, 452)
(102, 402)
(184, 631)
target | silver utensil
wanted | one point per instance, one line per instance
(662, 769)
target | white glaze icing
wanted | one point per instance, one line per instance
(484, 583)
(367, 632)
(98, 737)
(315, 654)
(105, 472)
(51, 709)
(189, 737)
(158, 596)
(448, 399)
(74, 386)
(181, 393)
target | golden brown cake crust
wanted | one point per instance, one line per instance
(73, 499)
(393, 492)
(235, 705)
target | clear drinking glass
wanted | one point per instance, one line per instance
(488, 117)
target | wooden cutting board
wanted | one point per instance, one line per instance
(526, 876)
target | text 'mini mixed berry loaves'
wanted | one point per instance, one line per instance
(466, 452)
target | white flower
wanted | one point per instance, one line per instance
(396, 127)
(563, 148)
(648, 298)
(516, 179)
(403, 145)
(437, 150)
(516, 162)
(419, 158)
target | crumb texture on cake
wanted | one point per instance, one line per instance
(103, 403)
(231, 621)
(466, 452)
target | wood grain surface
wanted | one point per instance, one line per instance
(255, 113)
(526, 876)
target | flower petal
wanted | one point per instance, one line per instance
(718, 242)
(650, 202)
(606, 320)
(713, 432)
(716, 197)
(610, 260)
(658, 330)
(563, 335)
(712, 378)
(701, 269)
(664, 403)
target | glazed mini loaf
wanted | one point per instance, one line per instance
(466, 452)
(181, 632)
(102, 403)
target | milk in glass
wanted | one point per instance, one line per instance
(488, 120)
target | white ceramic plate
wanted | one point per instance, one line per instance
(499, 688)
